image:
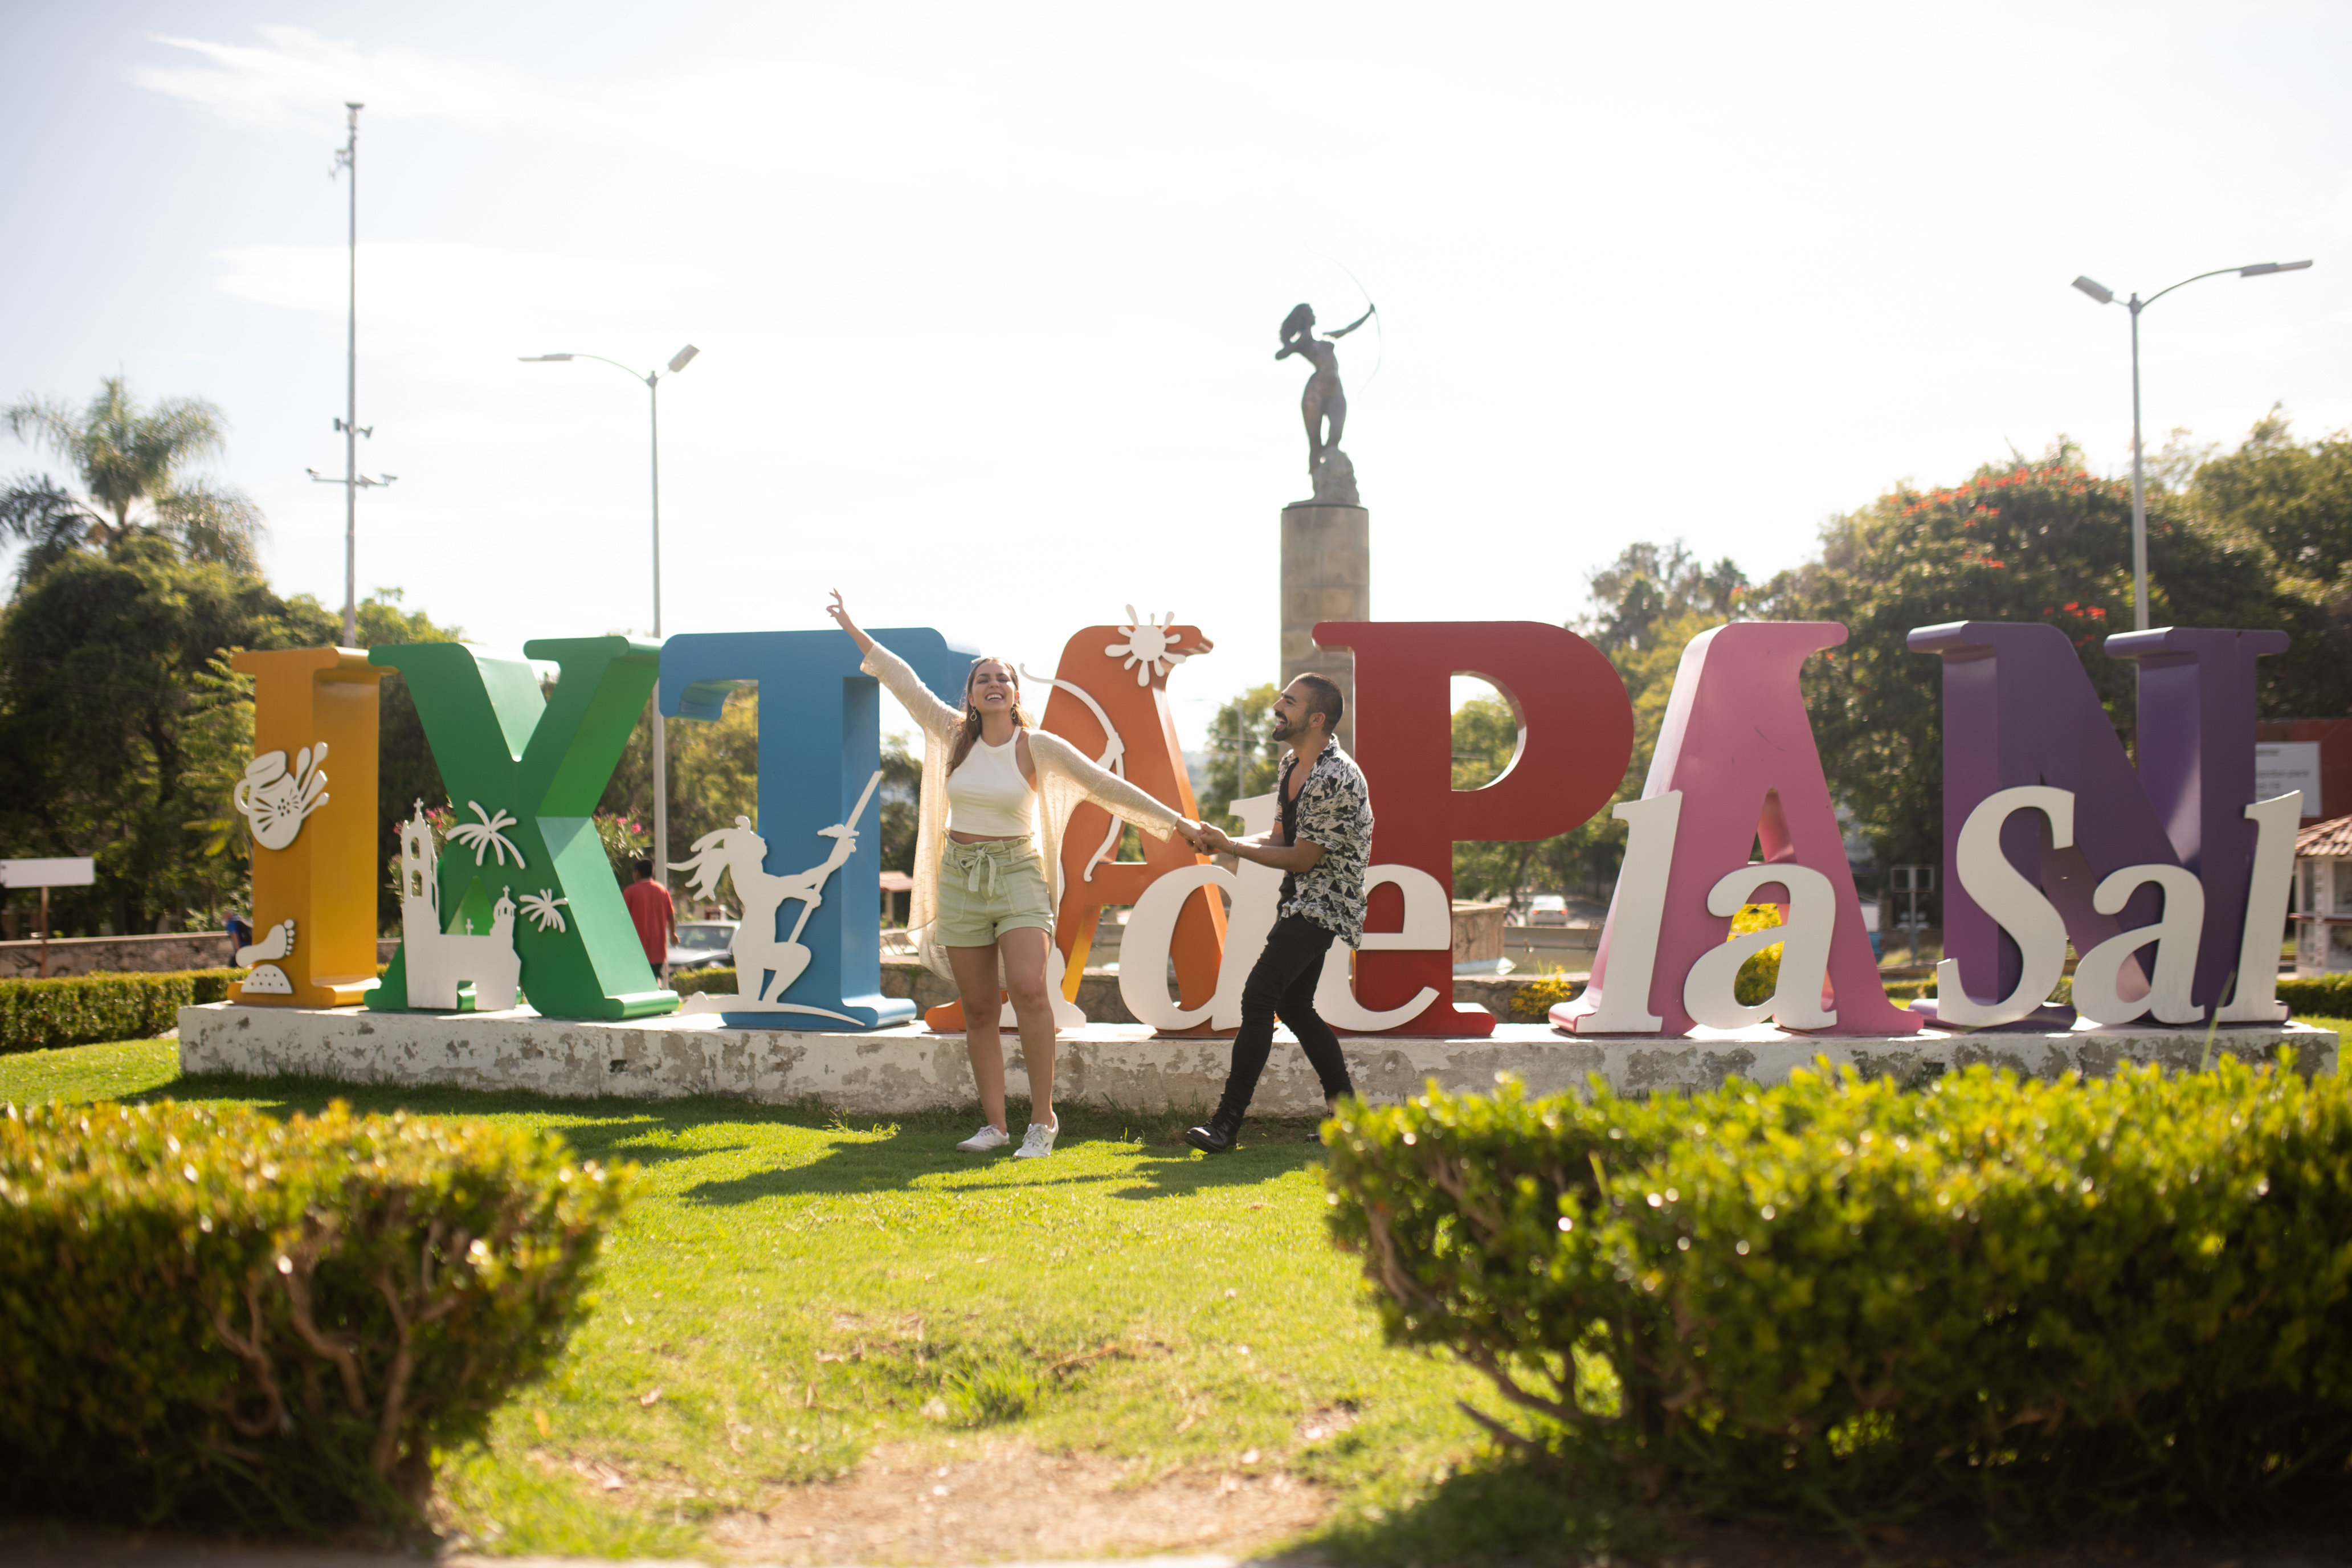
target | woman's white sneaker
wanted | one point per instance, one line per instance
(985, 1140)
(1038, 1142)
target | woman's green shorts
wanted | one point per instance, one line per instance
(987, 890)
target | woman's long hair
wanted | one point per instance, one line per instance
(969, 736)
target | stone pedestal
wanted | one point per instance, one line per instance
(900, 1069)
(1327, 575)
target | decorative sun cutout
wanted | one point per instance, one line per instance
(488, 835)
(1149, 648)
(544, 908)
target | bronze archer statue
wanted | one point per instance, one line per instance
(1323, 405)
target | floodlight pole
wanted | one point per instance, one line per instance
(347, 160)
(652, 379)
(2105, 296)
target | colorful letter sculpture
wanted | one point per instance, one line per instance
(437, 962)
(1575, 735)
(315, 865)
(1735, 764)
(2169, 878)
(1109, 699)
(524, 772)
(820, 761)
(2181, 832)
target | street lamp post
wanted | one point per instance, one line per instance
(652, 378)
(2107, 296)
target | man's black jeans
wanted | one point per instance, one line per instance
(1284, 983)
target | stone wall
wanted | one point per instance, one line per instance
(1478, 932)
(902, 1069)
(131, 954)
(118, 954)
(1099, 995)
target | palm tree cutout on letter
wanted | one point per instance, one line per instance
(544, 908)
(134, 463)
(489, 835)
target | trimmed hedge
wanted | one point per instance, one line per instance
(2326, 996)
(82, 1009)
(699, 980)
(1839, 1299)
(210, 1315)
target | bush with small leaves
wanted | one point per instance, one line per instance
(694, 980)
(2327, 995)
(1533, 1002)
(211, 1316)
(1842, 1299)
(82, 1009)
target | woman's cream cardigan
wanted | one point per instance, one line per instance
(1065, 777)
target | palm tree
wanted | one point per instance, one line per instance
(133, 464)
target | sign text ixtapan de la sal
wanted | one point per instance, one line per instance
(2169, 878)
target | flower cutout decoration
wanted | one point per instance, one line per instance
(488, 835)
(544, 908)
(1149, 648)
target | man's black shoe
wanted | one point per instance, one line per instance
(1216, 1135)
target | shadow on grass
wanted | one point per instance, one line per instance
(1503, 1510)
(1175, 1175)
(871, 1154)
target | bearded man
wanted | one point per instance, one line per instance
(1321, 845)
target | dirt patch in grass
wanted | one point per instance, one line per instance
(1001, 1498)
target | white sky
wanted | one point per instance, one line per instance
(988, 296)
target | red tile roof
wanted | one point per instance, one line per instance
(2332, 838)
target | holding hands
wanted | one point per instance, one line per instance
(1204, 838)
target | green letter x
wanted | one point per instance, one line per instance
(507, 752)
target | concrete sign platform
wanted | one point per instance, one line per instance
(906, 1068)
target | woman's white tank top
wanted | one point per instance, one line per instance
(987, 796)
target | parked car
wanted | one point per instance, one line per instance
(1548, 909)
(702, 944)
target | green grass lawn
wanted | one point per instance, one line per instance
(793, 1289)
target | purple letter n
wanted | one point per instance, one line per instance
(2019, 709)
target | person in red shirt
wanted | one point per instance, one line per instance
(655, 915)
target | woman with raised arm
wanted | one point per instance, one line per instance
(997, 794)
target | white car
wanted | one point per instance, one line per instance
(1548, 909)
(702, 944)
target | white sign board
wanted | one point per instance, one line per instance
(48, 873)
(2283, 765)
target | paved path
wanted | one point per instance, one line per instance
(36, 1546)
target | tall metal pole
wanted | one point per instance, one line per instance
(2139, 491)
(350, 161)
(652, 378)
(2107, 296)
(661, 750)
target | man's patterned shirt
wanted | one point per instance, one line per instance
(1335, 811)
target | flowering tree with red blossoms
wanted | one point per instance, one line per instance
(2021, 540)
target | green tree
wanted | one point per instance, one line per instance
(1643, 609)
(2018, 540)
(217, 743)
(714, 777)
(102, 660)
(902, 779)
(135, 464)
(405, 772)
(1650, 585)
(2296, 497)
(1244, 759)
